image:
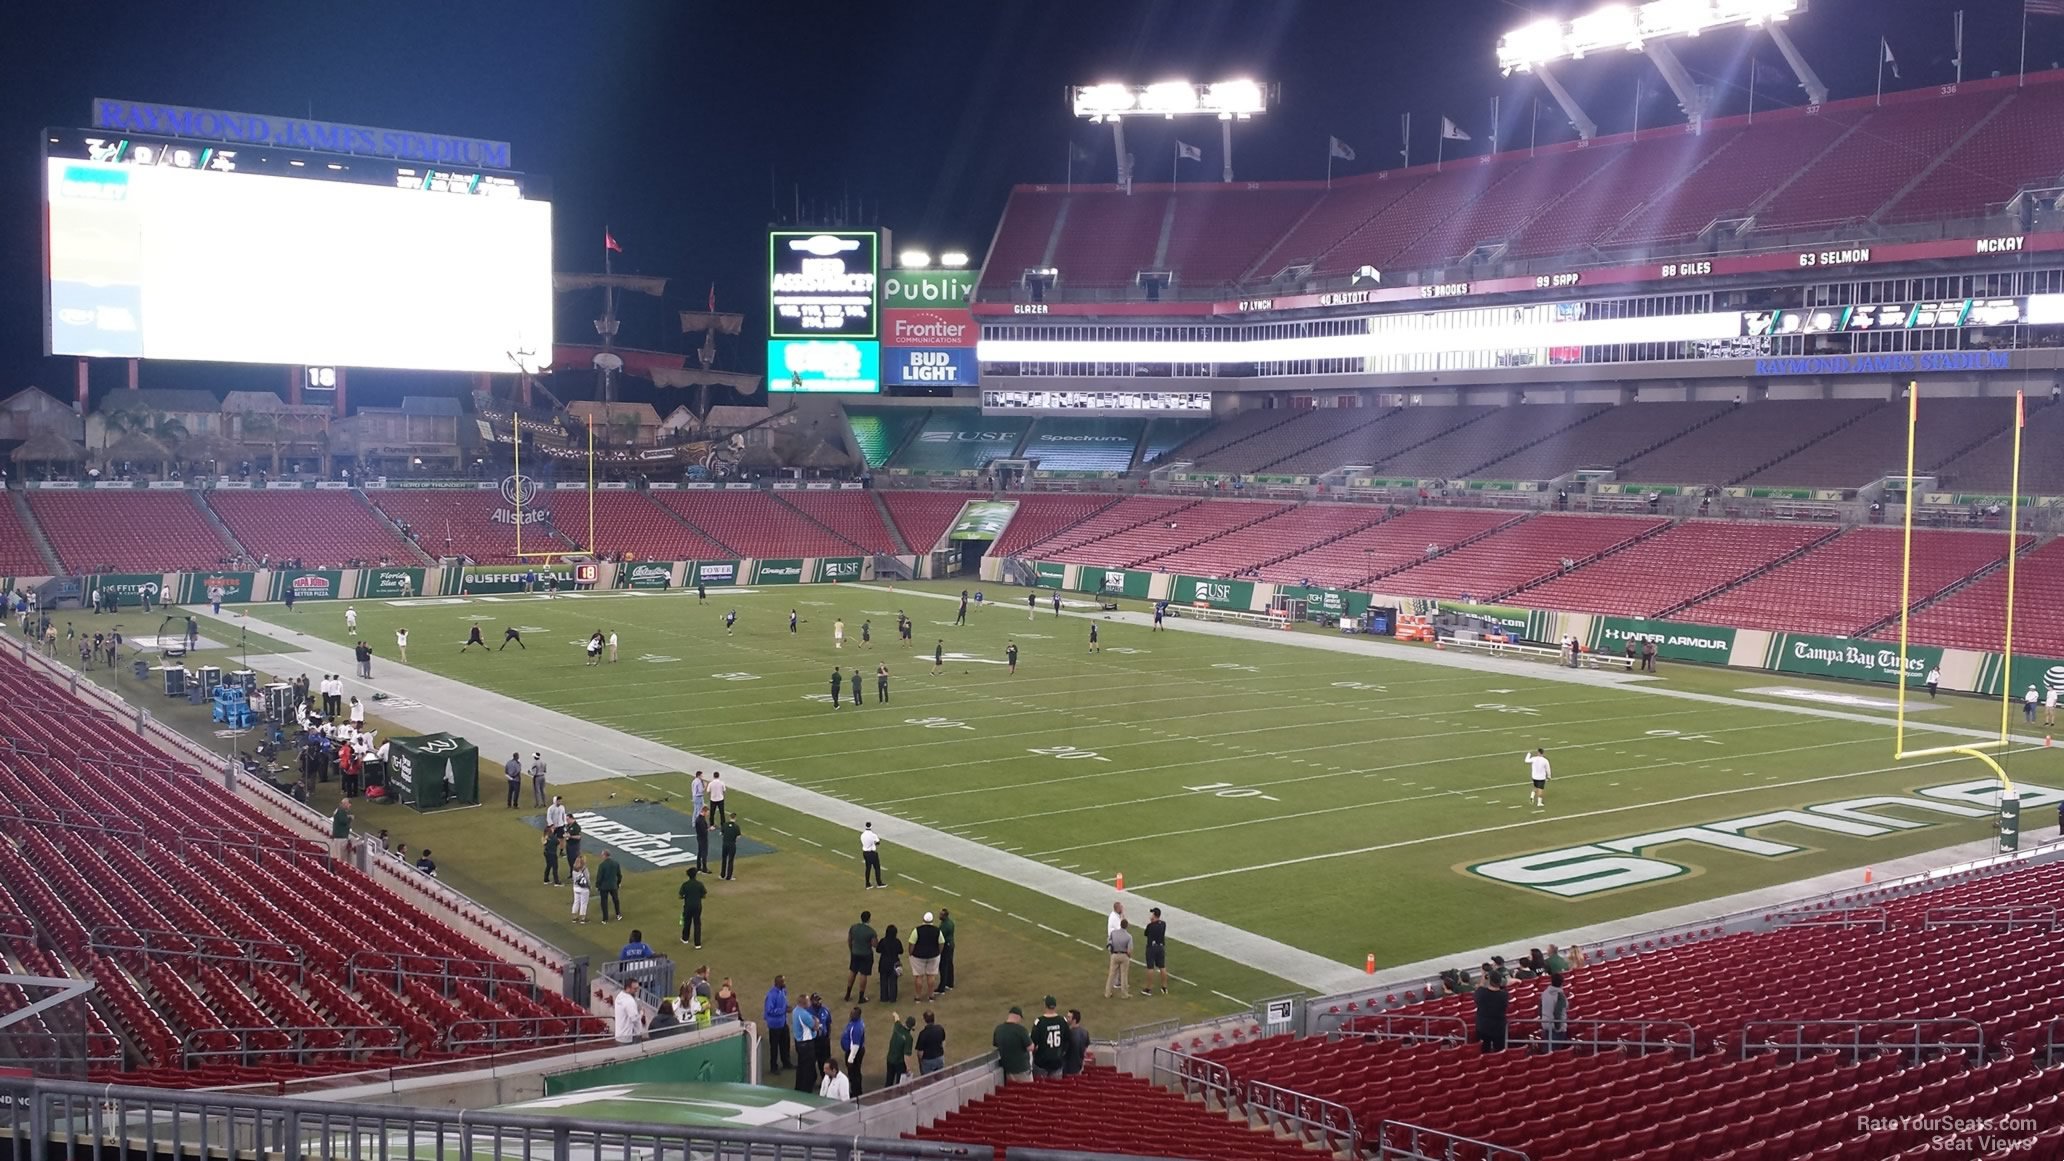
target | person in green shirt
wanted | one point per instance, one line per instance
(860, 947)
(730, 855)
(1555, 961)
(1013, 1043)
(945, 950)
(340, 830)
(900, 1037)
(573, 837)
(692, 894)
(1049, 1042)
(608, 881)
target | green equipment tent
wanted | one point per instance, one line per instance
(433, 770)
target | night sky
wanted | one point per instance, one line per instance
(686, 128)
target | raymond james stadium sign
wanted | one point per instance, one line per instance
(296, 133)
(1582, 871)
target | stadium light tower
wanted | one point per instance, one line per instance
(1650, 29)
(1228, 101)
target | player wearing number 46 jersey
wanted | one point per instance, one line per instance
(1049, 1042)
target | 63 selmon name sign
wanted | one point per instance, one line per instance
(1593, 868)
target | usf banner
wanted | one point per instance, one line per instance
(390, 582)
(1674, 640)
(834, 569)
(646, 574)
(982, 519)
(777, 572)
(1114, 582)
(432, 770)
(123, 590)
(1050, 574)
(200, 587)
(1845, 658)
(325, 584)
(515, 578)
(2044, 673)
(710, 573)
(1329, 603)
(1219, 594)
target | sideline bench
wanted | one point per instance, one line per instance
(1230, 616)
(1547, 653)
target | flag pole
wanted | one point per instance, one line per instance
(1534, 129)
(591, 483)
(1494, 122)
(1329, 163)
(1960, 46)
(1753, 70)
(1407, 150)
(2024, 47)
(1884, 46)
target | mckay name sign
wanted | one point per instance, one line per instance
(296, 133)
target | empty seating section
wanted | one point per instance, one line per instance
(1734, 178)
(1613, 437)
(849, 513)
(1974, 617)
(1235, 429)
(1103, 1111)
(628, 522)
(324, 529)
(881, 430)
(128, 531)
(1671, 567)
(1461, 452)
(1989, 467)
(226, 949)
(2015, 150)
(1219, 232)
(1106, 522)
(960, 440)
(1154, 538)
(1044, 517)
(1855, 179)
(755, 524)
(1875, 445)
(1281, 445)
(1524, 193)
(923, 517)
(1021, 239)
(1511, 557)
(1850, 583)
(1287, 533)
(1109, 238)
(462, 523)
(1342, 211)
(1381, 239)
(1165, 435)
(1070, 444)
(1744, 440)
(1642, 171)
(1394, 433)
(1745, 1092)
(18, 555)
(1386, 547)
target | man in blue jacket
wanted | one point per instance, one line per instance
(803, 1029)
(776, 1013)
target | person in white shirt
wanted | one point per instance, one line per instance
(718, 816)
(630, 1015)
(1537, 769)
(1116, 917)
(2028, 702)
(870, 858)
(401, 643)
(1934, 681)
(838, 634)
(555, 814)
(612, 647)
(2050, 707)
(578, 878)
(357, 714)
(351, 620)
(834, 1085)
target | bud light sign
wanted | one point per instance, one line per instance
(930, 366)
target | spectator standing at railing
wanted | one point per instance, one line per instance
(900, 1037)
(1554, 1012)
(1491, 999)
(629, 1016)
(931, 1045)
(775, 1011)
(853, 1049)
(802, 1029)
(1077, 1053)
(340, 830)
(945, 950)
(1049, 1042)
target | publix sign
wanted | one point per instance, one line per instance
(1580, 872)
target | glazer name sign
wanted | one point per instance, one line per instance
(822, 284)
(1582, 871)
(295, 133)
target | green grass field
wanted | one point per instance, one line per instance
(1341, 803)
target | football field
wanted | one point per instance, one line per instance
(1364, 798)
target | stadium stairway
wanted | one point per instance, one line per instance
(422, 556)
(1109, 523)
(1608, 551)
(1811, 443)
(34, 531)
(1445, 549)
(1746, 577)
(835, 505)
(881, 509)
(1234, 430)
(214, 518)
(1998, 567)
(1262, 511)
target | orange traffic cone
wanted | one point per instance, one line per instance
(1369, 968)
(2046, 741)
(1866, 874)
(1121, 880)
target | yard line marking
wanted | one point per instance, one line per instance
(910, 878)
(1602, 811)
(1056, 931)
(1234, 999)
(944, 891)
(990, 906)
(1020, 918)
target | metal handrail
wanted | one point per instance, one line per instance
(1404, 1141)
(400, 971)
(2053, 1042)
(1878, 918)
(514, 1030)
(1407, 1026)
(1603, 1036)
(192, 1055)
(1195, 1076)
(108, 939)
(1312, 1120)
(1997, 915)
(1857, 1043)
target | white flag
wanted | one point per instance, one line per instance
(1452, 131)
(1188, 152)
(1889, 58)
(1335, 147)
